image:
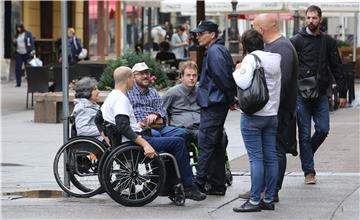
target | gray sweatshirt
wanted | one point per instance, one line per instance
(85, 112)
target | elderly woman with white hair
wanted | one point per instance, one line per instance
(86, 107)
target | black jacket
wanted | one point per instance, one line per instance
(308, 48)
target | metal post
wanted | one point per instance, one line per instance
(296, 22)
(234, 32)
(356, 37)
(65, 85)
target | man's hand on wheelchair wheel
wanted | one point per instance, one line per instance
(149, 151)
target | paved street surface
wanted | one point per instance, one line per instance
(28, 149)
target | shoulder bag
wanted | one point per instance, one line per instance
(256, 96)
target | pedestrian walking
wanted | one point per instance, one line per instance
(318, 54)
(215, 94)
(25, 48)
(260, 128)
(73, 46)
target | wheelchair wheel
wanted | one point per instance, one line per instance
(82, 156)
(130, 178)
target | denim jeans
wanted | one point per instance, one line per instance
(19, 60)
(318, 110)
(259, 135)
(175, 146)
(169, 131)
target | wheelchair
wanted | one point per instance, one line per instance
(121, 170)
(194, 155)
(78, 160)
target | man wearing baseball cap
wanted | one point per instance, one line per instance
(148, 105)
(216, 93)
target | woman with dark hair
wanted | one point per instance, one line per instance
(259, 129)
(24, 43)
(86, 96)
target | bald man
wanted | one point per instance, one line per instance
(276, 43)
(118, 111)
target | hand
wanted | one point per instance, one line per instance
(143, 124)
(149, 151)
(150, 119)
(238, 66)
(342, 102)
(233, 106)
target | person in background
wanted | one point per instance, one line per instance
(164, 55)
(215, 95)
(179, 43)
(73, 46)
(25, 48)
(311, 45)
(86, 107)
(259, 129)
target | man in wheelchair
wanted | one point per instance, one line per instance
(118, 111)
(183, 111)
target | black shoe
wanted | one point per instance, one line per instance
(216, 192)
(267, 206)
(194, 193)
(17, 85)
(276, 198)
(201, 187)
(247, 207)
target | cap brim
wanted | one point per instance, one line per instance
(140, 69)
(197, 30)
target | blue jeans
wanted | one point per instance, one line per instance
(175, 146)
(169, 131)
(19, 60)
(318, 109)
(259, 135)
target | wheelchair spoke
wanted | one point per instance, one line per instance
(121, 163)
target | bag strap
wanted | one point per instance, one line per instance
(75, 44)
(257, 59)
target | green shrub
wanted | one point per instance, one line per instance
(129, 59)
(106, 81)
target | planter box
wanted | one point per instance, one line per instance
(48, 106)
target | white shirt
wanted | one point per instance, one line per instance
(117, 103)
(20, 42)
(271, 64)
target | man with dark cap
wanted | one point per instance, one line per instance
(215, 95)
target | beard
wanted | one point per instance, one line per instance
(313, 28)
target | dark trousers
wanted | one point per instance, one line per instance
(284, 117)
(175, 146)
(19, 60)
(211, 161)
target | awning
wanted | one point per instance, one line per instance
(143, 3)
(222, 6)
(325, 5)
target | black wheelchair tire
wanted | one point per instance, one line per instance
(82, 190)
(109, 185)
